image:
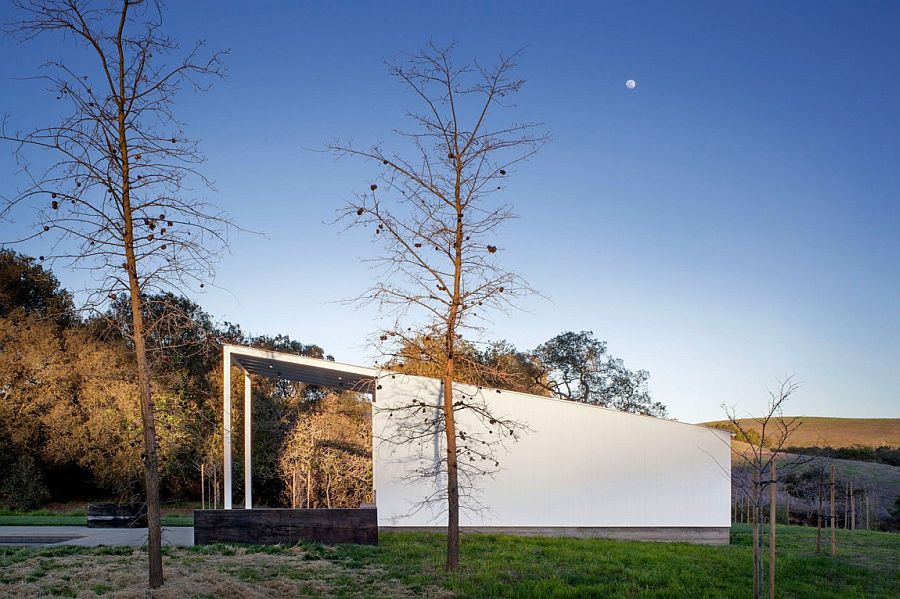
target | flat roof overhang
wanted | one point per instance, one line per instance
(312, 371)
(277, 365)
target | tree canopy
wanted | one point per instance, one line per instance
(25, 285)
(579, 367)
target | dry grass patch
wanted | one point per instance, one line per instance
(199, 573)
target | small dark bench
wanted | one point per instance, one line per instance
(117, 515)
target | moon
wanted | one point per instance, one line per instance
(631, 84)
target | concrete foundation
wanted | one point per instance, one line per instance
(699, 535)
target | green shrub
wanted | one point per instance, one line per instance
(23, 487)
(748, 436)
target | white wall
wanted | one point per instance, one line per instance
(578, 465)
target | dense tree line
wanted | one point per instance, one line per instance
(571, 366)
(861, 453)
(69, 415)
(70, 418)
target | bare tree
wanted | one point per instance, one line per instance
(761, 449)
(438, 275)
(115, 195)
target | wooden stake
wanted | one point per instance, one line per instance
(757, 566)
(202, 489)
(819, 516)
(773, 506)
(833, 522)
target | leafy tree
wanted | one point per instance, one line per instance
(34, 377)
(327, 457)
(578, 367)
(893, 522)
(26, 285)
(743, 435)
(509, 368)
(423, 355)
(283, 343)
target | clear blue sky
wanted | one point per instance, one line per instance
(734, 219)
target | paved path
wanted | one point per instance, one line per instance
(43, 536)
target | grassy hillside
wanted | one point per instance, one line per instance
(816, 431)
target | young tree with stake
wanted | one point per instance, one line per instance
(114, 196)
(439, 273)
(759, 452)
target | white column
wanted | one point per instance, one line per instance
(226, 424)
(248, 418)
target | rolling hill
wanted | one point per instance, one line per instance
(816, 431)
(879, 482)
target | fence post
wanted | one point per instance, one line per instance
(833, 546)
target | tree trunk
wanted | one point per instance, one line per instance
(852, 508)
(154, 532)
(452, 480)
(450, 352)
(151, 467)
(773, 505)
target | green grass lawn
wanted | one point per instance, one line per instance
(411, 565)
(71, 518)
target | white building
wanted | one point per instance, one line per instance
(575, 469)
